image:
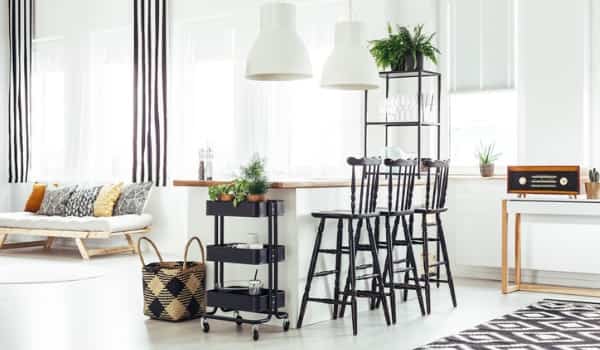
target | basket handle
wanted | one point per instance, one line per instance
(153, 246)
(187, 248)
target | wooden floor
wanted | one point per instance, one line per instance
(106, 313)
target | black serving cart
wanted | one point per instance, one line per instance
(237, 298)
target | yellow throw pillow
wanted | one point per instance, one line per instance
(34, 202)
(105, 202)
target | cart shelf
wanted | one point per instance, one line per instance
(237, 298)
(244, 209)
(229, 254)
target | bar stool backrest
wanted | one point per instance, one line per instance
(401, 183)
(437, 183)
(368, 170)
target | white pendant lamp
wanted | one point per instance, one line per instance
(278, 53)
(350, 66)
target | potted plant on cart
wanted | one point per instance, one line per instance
(222, 193)
(487, 157)
(254, 175)
(592, 188)
(403, 51)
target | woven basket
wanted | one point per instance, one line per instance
(174, 290)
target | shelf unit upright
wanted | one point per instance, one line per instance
(238, 298)
(420, 123)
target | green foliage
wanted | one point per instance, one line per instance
(398, 49)
(215, 191)
(594, 175)
(486, 154)
(254, 175)
(239, 191)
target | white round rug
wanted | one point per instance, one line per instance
(39, 271)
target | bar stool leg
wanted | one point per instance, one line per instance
(390, 266)
(374, 302)
(377, 271)
(352, 274)
(338, 267)
(410, 257)
(346, 293)
(411, 222)
(442, 238)
(426, 262)
(437, 267)
(311, 272)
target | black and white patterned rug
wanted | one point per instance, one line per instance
(548, 324)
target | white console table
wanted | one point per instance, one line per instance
(540, 206)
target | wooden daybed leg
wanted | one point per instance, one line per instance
(82, 249)
(2, 240)
(49, 242)
(131, 243)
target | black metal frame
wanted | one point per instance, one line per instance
(419, 123)
(271, 214)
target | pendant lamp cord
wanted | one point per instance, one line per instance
(350, 10)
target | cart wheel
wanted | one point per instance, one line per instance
(238, 321)
(255, 334)
(205, 326)
(286, 325)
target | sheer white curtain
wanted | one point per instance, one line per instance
(301, 129)
(82, 91)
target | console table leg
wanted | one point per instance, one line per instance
(504, 248)
(517, 249)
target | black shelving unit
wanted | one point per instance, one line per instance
(419, 123)
(237, 298)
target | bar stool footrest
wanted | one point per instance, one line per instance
(325, 273)
(327, 301)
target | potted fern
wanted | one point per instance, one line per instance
(254, 175)
(592, 188)
(487, 156)
(403, 51)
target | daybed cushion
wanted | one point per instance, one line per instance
(121, 223)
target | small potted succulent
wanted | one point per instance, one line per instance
(487, 157)
(404, 51)
(592, 188)
(254, 175)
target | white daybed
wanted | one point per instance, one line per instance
(78, 228)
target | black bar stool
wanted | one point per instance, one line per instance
(366, 210)
(435, 204)
(401, 183)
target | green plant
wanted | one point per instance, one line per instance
(254, 175)
(486, 154)
(217, 190)
(594, 175)
(402, 50)
(239, 190)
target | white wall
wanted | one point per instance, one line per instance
(551, 80)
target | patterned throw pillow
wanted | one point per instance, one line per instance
(133, 199)
(82, 201)
(55, 201)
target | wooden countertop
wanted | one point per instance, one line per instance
(275, 185)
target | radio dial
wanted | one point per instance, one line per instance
(522, 180)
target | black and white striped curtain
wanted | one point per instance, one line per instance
(20, 13)
(150, 92)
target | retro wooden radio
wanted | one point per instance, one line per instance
(542, 179)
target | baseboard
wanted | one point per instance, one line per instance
(572, 279)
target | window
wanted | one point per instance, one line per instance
(82, 91)
(483, 98)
